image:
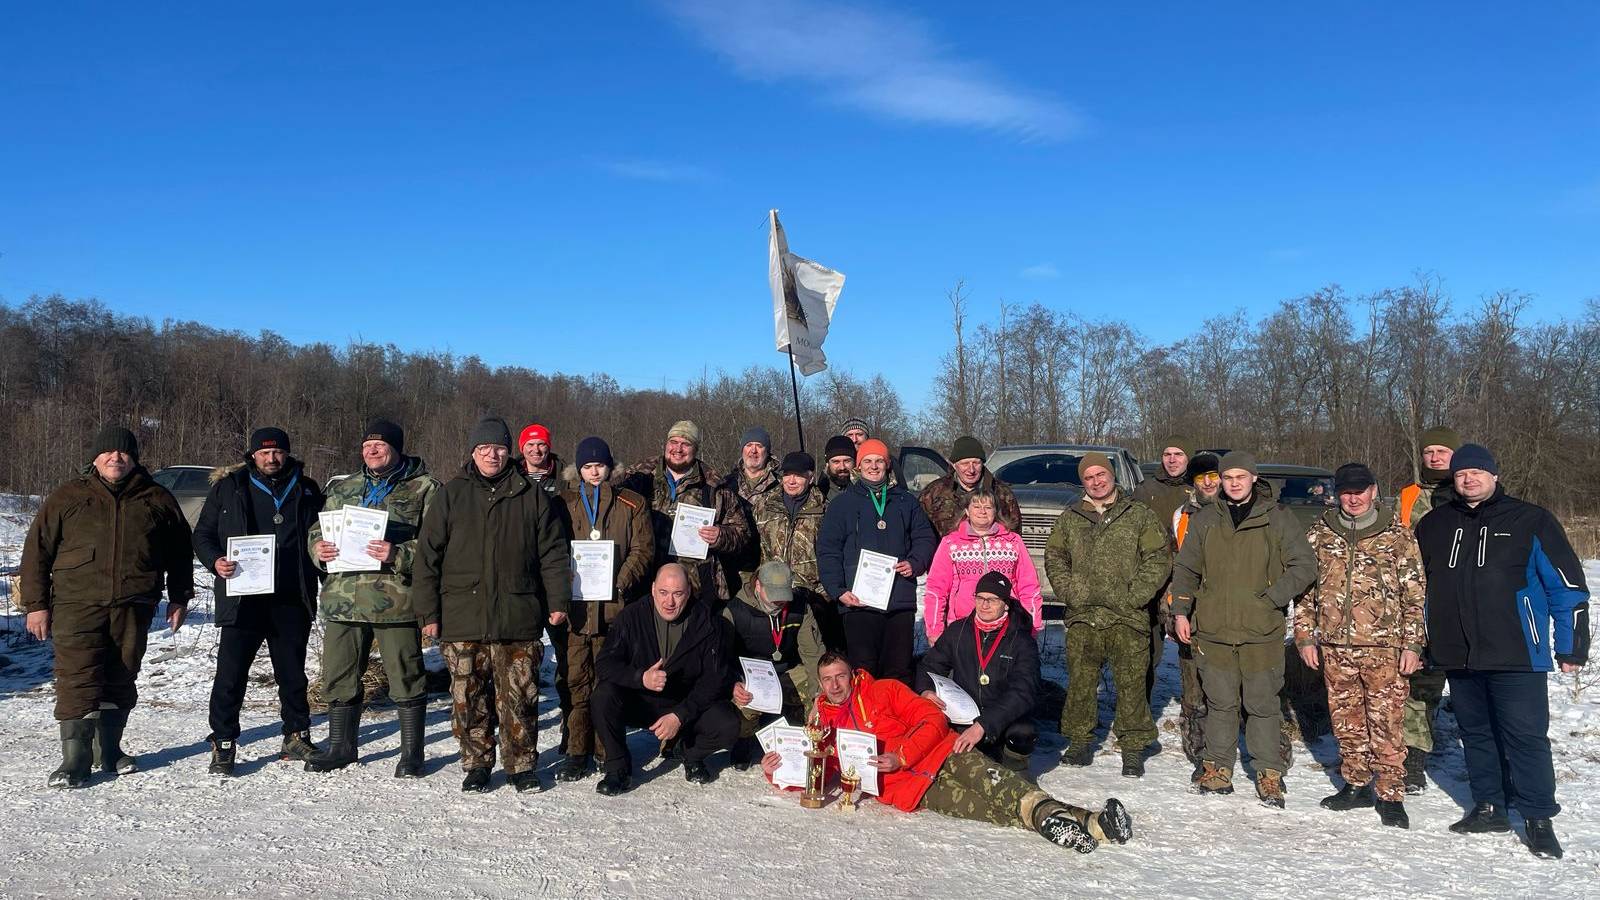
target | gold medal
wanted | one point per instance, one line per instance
(594, 534)
(882, 525)
(983, 679)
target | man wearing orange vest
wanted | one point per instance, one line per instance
(1207, 482)
(1433, 488)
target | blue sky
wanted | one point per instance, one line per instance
(572, 186)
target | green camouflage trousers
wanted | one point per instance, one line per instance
(1427, 688)
(346, 646)
(972, 786)
(1366, 706)
(506, 675)
(1127, 651)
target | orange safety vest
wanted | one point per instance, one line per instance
(1178, 533)
(1408, 501)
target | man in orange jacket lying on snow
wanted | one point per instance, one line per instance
(917, 767)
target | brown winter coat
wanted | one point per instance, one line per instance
(625, 520)
(89, 546)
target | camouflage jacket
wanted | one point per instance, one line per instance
(382, 597)
(1107, 568)
(1369, 589)
(749, 489)
(715, 578)
(792, 540)
(945, 502)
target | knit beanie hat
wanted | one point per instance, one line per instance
(839, 445)
(798, 463)
(755, 434)
(269, 439)
(489, 430)
(593, 450)
(855, 422)
(967, 447)
(687, 430)
(1182, 443)
(114, 437)
(995, 583)
(534, 432)
(388, 432)
(1474, 456)
(871, 447)
(1440, 436)
(1090, 460)
(1239, 459)
(1200, 465)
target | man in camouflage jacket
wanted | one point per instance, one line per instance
(945, 500)
(1363, 622)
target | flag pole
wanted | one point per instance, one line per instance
(794, 382)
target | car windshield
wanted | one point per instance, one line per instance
(1308, 490)
(1044, 469)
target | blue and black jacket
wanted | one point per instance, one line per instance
(1499, 575)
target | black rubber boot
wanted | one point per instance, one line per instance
(1349, 797)
(526, 782)
(1393, 813)
(1015, 760)
(108, 755)
(1542, 839)
(614, 783)
(1484, 818)
(413, 721)
(1416, 778)
(77, 754)
(222, 757)
(343, 720)
(575, 768)
(476, 782)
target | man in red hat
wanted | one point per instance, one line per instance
(542, 466)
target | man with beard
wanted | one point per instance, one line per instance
(268, 493)
(839, 462)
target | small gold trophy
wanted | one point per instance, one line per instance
(813, 796)
(850, 785)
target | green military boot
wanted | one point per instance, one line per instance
(108, 755)
(77, 754)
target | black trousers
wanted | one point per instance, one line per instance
(615, 709)
(1504, 718)
(284, 624)
(1019, 737)
(881, 642)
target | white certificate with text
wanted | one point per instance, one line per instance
(359, 527)
(790, 743)
(686, 524)
(591, 570)
(959, 707)
(761, 680)
(874, 580)
(256, 556)
(856, 750)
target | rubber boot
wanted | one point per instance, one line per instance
(108, 754)
(413, 720)
(343, 719)
(77, 754)
(1014, 760)
(1393, 813)
(1351, 796)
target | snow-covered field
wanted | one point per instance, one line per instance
(276, 831)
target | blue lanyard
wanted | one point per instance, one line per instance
(377, 493)
(594, 510)
(672, 487)
(277, 502)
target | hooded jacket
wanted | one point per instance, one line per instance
(625, 521)
(962, 559)
(905, 724)
(792, 539)
(716, 578)
(1107, 568)
(229, 512)
(1369, 590)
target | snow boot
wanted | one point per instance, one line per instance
(1269, 788)
(1215, 780)
(222, 756)
(1014, 760)
(1542, 839)
(1079, 755)
(1349, 797)
(1484, 818)
(413, 719)
(614, 783)
(298, 747)
(697, 773)
(343, 720)
(108, 755)
(77, 754)
(1115, 823)
(1393, 813)
(1055, 822)
(476, 782)
(576, 768)
(526, 782)
(1133, 765)
(1416, 778)
(1198, 773)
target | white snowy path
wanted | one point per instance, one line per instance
(276, 831)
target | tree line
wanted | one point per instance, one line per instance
(1324, 379)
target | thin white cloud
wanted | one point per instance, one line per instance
(655, 170)
(1041, 271)
(878, 61)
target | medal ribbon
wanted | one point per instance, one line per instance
(878, 504)
(977, 638)
(377, 492)
(592, 510)
(277, 502)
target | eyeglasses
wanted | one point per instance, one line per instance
(1207, 478)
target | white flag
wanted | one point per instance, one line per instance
(803, 297)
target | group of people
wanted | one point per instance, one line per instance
(482, 564)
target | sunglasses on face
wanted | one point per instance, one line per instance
(1207, 478)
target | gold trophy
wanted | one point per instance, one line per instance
(850, 784)
(813, 796)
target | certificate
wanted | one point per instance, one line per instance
(856, 749)
(591, 570)
(360, 526)
(332, 522)
(874, 579)
(686, 525)
(761, 680)
(959, 707)
(256, 557)
(789, 742)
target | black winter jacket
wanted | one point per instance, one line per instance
(1013, 670)
(698, 674)
(851, 525)
(228, 513)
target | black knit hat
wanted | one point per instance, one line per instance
(1353, 478)
(994, 583)
(115, 437)
(839, 445)
(798, 463)
(593, 450)
(1201, 464)
(967, 447)
(269, 439)
(1474, 456)
(388, 432)
(490, 430)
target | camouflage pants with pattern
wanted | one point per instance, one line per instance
(1127, 652)
(1191, 706)
(972, 786)
(1427, 689)
(1366, 706)
(506, 675)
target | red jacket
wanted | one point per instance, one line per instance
(904, 724)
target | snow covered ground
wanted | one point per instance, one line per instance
(276, 831)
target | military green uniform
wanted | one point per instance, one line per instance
(792, 539)
(360, 608)
(1166, 495)
(1106, 568)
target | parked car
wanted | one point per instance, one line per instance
(922, 466)
(1150, 469)
(190, 484)
(1306, 490)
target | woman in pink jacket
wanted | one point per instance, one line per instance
(978, 545)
